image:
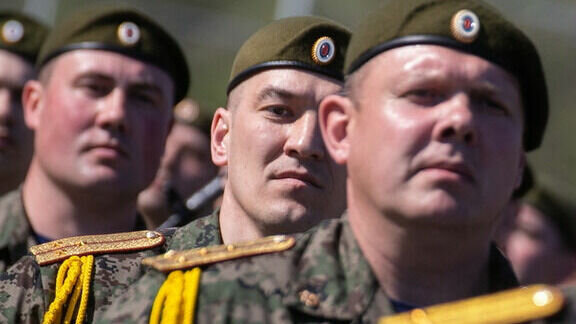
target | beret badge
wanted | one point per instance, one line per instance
(323, 50)
(12, 31)
(465, 26)
(128, 33)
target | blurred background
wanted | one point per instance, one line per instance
(211, 31)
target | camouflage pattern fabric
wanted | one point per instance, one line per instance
(15, 234)
(324, 278)
(204, 231)
(27, 289)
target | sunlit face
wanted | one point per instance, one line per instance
(435, 136)
(279, 173)
(535, 248)
(15, 137)
(101, 120)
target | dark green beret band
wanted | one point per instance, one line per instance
(292, 43)
(411, 22)
(21, 34)
(98, 28)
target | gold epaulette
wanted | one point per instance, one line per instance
(58, 250)
(511, 306)
(178, 260)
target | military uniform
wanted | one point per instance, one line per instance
(16, 235)
(324, 278)
(27, 289)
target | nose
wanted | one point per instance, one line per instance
(456, 121)
(304, 138)
(112, 111)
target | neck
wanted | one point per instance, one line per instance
(410, 261)
(56, 212)
(235, 224)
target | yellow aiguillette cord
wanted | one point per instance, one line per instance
(176, 299)
(73, 279)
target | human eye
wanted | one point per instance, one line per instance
(424, 96)
(143, 96)
(94, 87)
(279, 112)
(492, 105)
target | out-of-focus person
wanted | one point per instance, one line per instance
(540, 240)
(20, 39)
(186, 167)
(100, 109)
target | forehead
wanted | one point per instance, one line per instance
(111, 64)
(430, 59)
(294, 83)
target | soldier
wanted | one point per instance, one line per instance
(280, 177)
(441, 101)
(101, 110)
(186, 167)
(543, 232)
(20, 40)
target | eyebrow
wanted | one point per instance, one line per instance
(138, 85)
(275, 93)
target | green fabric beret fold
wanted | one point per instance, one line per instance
(21, 34)
(310, 43)
(467, 25)
(122, 30)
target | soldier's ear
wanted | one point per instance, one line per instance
(219, 136)
(32, 103)
(335, 119)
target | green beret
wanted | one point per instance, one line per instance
(308, 43)
(122, 30)
(470, 26)
(21, 34)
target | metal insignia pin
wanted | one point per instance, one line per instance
(465, 26)
(323, 50)
(12, 31)
(128, 33)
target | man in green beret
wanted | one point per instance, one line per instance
(101, 109)
(442, 100)
(280, 177)
(20, 39)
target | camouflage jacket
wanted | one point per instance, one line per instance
(15, 233)
(27, 289)
(323, 278)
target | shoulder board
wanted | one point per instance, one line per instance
(511, 306)
(58, 250)
(177, 260)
